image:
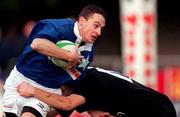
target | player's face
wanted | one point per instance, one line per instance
(90, 29)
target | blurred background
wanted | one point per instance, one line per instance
(17, 17)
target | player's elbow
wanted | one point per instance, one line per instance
(36, 44)
(66, 106)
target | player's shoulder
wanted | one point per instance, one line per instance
(97, 72)
(58, 21)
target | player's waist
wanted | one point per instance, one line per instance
(22, 77)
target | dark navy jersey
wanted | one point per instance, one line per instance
(39, 68)
(118, 94)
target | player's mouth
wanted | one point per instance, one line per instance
(94, 37)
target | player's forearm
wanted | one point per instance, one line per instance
(48, 48)
(54, 100)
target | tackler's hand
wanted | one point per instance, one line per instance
(25, 89)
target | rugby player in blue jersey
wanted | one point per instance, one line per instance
(33, 65)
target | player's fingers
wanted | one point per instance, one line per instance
(81, 57)
(105, 115)
(76, 48)
(19, 85)
(69, 65)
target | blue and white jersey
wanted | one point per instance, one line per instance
(39, 68)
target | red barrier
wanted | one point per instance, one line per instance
(169, 82)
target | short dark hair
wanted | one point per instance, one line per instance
(91, 9)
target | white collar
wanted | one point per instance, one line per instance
(76, 31)
(79, 38)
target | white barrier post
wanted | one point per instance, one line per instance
(138, 29)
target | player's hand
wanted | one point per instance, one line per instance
(25, 89)
(74, 58)
(97, 113)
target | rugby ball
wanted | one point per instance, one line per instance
(66, 45)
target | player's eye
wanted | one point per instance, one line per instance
(95, 25)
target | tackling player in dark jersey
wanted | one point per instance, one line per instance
(108, 91)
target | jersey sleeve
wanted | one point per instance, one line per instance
(45, 30)
(84, 89)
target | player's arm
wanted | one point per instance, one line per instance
(57, 101)
(48, 48)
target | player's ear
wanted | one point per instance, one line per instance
(81, 20)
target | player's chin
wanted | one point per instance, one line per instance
(92, 40)
(89, 41)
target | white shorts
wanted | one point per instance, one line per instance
(14, 103)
